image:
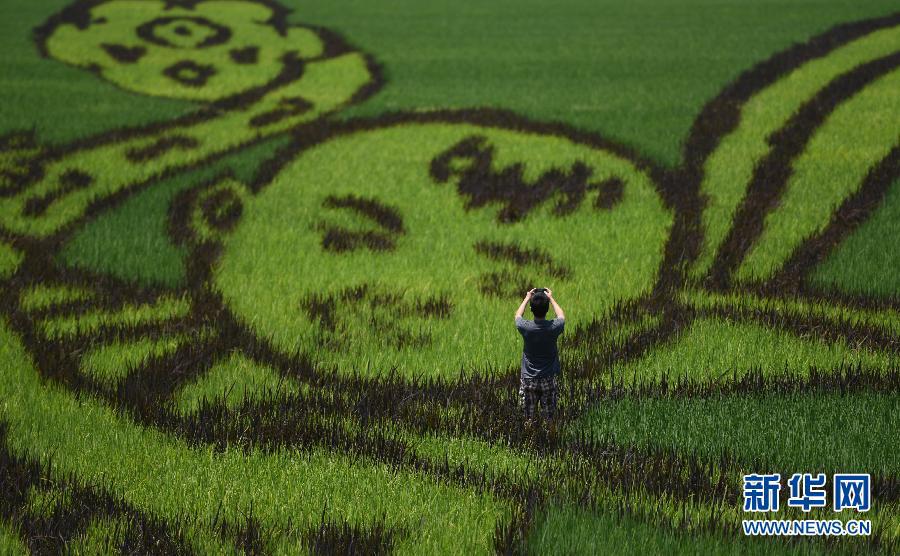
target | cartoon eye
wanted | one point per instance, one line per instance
(338, 238)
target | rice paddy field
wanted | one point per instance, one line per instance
(259, 262)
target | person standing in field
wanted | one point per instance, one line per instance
(540, 357)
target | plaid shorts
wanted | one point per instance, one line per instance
(539, 390)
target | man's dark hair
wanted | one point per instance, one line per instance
(540, 303)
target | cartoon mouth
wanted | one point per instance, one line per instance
(377, 310)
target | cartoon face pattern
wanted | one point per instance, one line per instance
(400, 255)
(195, 50)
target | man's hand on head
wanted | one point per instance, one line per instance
(521, 310)
(548, 292)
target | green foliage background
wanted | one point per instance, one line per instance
(637, 72)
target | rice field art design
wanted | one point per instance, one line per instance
(338, 372)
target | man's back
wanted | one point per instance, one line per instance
(540, 358)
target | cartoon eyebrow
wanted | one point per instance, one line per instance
(471, 162)
(340, 239)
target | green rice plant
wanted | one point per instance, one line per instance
(132, 241)
(164, 308)
(10, 542)
(579, 475)
(886, 320)
(51, 514)
(573, 530)
(104, 535)
(809, 431)
(343, 538)
(642, 80)
(834, 164)
(19, 157)
(109, 364)
(719, 349)
(91, 175)
(560, 96)
(233, 381)
(497, 461)
(475, 454)
(10, 259)
(698, 513)
(864, 262)
(45, 296)
(431, 60)
(91, 441)
(45, 502)
(611, 336)
(730, 168)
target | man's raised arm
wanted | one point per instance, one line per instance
(556, 308)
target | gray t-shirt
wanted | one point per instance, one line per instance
(540, 359)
